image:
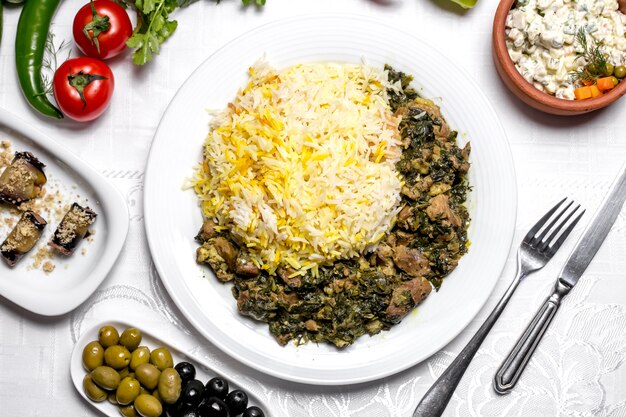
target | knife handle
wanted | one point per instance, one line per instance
(514, 364)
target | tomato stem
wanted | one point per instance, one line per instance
(81, 80)
(97, 25)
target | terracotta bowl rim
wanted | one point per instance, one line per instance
(507, 65)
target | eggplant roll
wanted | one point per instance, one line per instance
(73, 228)
(22, 180)
(23, 237)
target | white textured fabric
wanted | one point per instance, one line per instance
(578, 369)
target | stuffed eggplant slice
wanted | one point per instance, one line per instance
(73, 228)
(22, 180)
(22, 238)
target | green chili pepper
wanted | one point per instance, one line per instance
(30, 43)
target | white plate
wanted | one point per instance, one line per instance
(75, 278)
(152, 339)
(173, 217)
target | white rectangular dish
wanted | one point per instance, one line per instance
(151, 339)
(74, 278)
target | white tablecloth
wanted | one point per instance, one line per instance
(578, 369)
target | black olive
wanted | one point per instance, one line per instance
(192, 393)
(237, 401)
(253, 411)
(177, 409)
(169, 412)
(213, 407)
(190, 413)
(217, 387)
(186, 371)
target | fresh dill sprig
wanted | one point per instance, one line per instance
(50, 61)
(592, 53)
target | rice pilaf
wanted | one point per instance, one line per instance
(300, 168)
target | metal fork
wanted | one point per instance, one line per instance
(536, 249)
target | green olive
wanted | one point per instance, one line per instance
(156, 395)
(591, 68)
(608, 69)
(169, 385)
(93, 392)
(93, 355)
(112, 399)
(148, 406)
(127, 391)
(620, 71)
(131, 338)
(108, 336)
(106, 377)
(117, 357)
(144, 391)
(615, 81)
(124, 372)
(128, 411)
(148, 375)
(161, 358)
(139, 356)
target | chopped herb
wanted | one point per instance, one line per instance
(594, 56)
(154, 25)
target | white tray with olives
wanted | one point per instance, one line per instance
(123, 370)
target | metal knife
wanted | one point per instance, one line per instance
(584, 251)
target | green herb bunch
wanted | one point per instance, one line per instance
(597, 65)
(154, 25)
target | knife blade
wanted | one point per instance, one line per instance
(595, 233)
(585, 249)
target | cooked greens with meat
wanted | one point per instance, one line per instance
(342, 230)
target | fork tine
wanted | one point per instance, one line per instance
(539, 239)
(542, 221)
(552, 249)
(555, 230)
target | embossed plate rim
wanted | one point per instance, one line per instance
(172, 217)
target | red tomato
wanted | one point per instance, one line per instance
(101, 29)
(83, 88)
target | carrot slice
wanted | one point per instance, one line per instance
(605, 83)
(582, 93)
(595, 91)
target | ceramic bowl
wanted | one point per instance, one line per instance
(526, 91)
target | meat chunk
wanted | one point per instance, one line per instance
(384, 256)
(208, 254)
(405, 213)
(411, 261)
(425, 184)
(288, 277)
(465, 153)
(207, 231)
(439, 210)
(244, 267)
(226, 250)
(405, 297)
(410, 192)
(311, 325)
(406, 219)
